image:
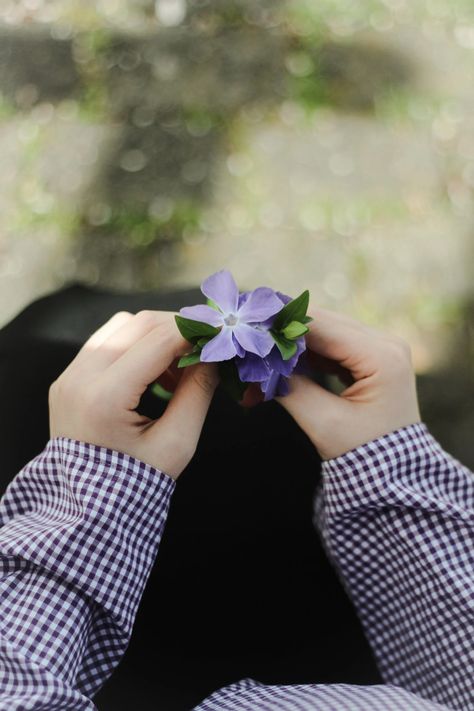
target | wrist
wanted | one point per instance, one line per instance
(342, 443)
(380, 444)
(67, 449)
(367, 476)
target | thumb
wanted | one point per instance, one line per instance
(187, 410)
(312, 407)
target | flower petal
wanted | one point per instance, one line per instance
(260, 305)
(276, 385)
(203, 313)
(239, 350)
(284, 297)
(286, 367)
(243, 297)
(222, 289)
(269, 321)
(254, 340)
(252, 368)
(221, 347)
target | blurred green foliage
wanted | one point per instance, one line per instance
(328, 140)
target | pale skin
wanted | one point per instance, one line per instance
(380, 399)
(94, 399)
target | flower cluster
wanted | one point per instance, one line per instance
(255, 336)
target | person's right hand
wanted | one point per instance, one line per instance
(380, 399)
(95, 400)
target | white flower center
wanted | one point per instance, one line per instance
(231, 320)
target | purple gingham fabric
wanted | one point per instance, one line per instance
(397, 517)
(79, 531)
(250, 695)
(80, 527)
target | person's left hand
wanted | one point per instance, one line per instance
(95, 398)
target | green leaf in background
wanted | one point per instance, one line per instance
(295, 329)
(161, 392)
(307, 319)
(293, 311)
(190, 359)
(230, 380)
(287, 348)
(202, 342)
(194, 330)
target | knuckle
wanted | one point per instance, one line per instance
(171, 340)
(122, 314)
(147, 317)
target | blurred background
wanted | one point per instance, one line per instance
(320, 144)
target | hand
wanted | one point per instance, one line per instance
(380, 398)
(95, 399)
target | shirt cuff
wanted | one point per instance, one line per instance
(363, 476)
(92, 516)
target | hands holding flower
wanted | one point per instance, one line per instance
(255, 338)
(96, 397)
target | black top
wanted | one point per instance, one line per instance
(239, 543)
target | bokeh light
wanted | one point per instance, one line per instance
(326, 145)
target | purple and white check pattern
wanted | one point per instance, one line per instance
(79, 531)
(250, 695)
(397, 516)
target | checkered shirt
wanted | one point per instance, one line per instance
(80, 527)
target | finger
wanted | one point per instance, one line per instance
(321, 364)
(145, 360)
(186, 412)
(339, 338)
(98, 337)
(310, 405)
(122, 339)
(105, 331)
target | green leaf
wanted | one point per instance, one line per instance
(189, 359)
(212, 304)
(287, 348)
(230, 380)
(307, 319)
(202, 342)
(293, 311)
(295, 329)
(161, 392)
(194, 330)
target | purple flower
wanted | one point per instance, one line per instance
(241, 317)
(271, 371)
(275, 385)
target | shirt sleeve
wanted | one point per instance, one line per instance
(397, 519)
(251, 695)
(80, 527)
